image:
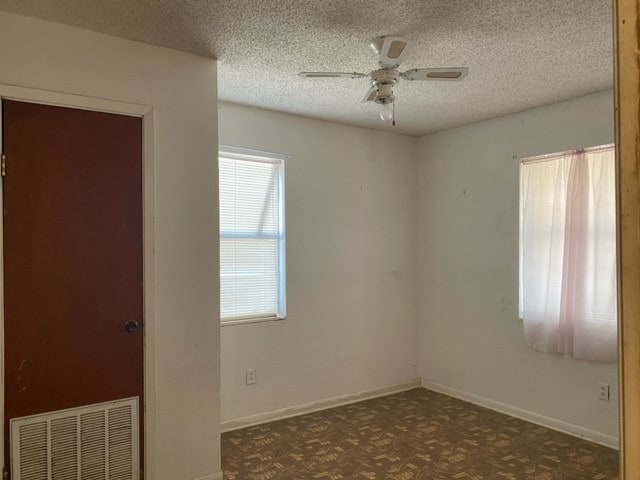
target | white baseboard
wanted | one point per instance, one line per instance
(311, 407)
(532, 417)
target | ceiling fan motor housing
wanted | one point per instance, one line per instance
(384, 80)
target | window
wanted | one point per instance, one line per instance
(252, 236)
(568, 253)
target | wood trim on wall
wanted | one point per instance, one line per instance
(627, 103)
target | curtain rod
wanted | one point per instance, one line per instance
(549, 156)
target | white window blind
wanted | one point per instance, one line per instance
(252, 235)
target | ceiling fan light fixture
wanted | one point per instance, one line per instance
(386, 111)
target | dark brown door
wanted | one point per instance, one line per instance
(72, 258)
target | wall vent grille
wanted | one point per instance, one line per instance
(94, 442)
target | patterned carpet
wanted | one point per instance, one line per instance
(417, 434)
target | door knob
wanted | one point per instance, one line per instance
(131, 326)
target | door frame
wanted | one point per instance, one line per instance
(30, 95)
(627, 118)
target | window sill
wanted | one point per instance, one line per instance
(245, 321)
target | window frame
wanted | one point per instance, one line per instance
(247, 154)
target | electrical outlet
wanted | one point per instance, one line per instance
(251, 376)
(605, 391)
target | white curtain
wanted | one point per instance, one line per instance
(568, 253)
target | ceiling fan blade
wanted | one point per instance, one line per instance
(332, 75)
(421, 74)
(392, 51)
(371, 94)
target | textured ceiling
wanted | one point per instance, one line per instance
(520, 53)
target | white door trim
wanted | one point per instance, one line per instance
(13, 92)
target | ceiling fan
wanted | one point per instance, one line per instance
(392, 51)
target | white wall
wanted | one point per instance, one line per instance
(182, 90)
(470, 336)
(352, 321)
